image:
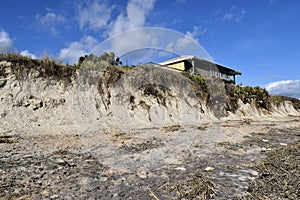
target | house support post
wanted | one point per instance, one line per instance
(193, 64)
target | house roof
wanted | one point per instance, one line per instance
(191, 57)
(177, 59)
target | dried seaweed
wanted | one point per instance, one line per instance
(279, 175)
(195, 187)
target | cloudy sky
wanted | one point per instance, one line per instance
(260, 38)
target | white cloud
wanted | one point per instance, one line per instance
(135, 17)
(97, 16)
(26, 53)
(94, 16)
(77, 49)
(5, 41)
(50, 17)
(50, 21)
(181, 43)
(228, 16)
(130, 41)
(239, 17)
(198, 30)
(129, 36)
(176, 21)
(232, 15)
(188, 44)
(286, 88)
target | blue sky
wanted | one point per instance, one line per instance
(260, 38)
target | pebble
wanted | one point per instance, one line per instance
(282, 144)
(263, 149)
(209, 169)
(142, 174)
(180, 168)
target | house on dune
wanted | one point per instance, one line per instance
(205, 68)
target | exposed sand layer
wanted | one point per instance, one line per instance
(99, 99)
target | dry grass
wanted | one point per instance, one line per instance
(247, 94)
(172, 128)
(23, 66)
(279, 99)
(8, 139)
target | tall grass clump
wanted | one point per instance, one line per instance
(24, 67)
(280, 99)
(247, 94)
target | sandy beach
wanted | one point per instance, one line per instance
(165, 162)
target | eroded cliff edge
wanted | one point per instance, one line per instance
(39, 96)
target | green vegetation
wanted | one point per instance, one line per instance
(104, 60)
(248, 94)
(260, 96)
(22, 66)
(92, 61)
(280, 99)
(125, 68)
(198, 79)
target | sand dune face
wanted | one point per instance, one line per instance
(144, 97)
(35, 105)
(101, 98)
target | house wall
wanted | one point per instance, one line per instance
(203, 68)
(203, 72)
(179, 66)
(207, 69)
